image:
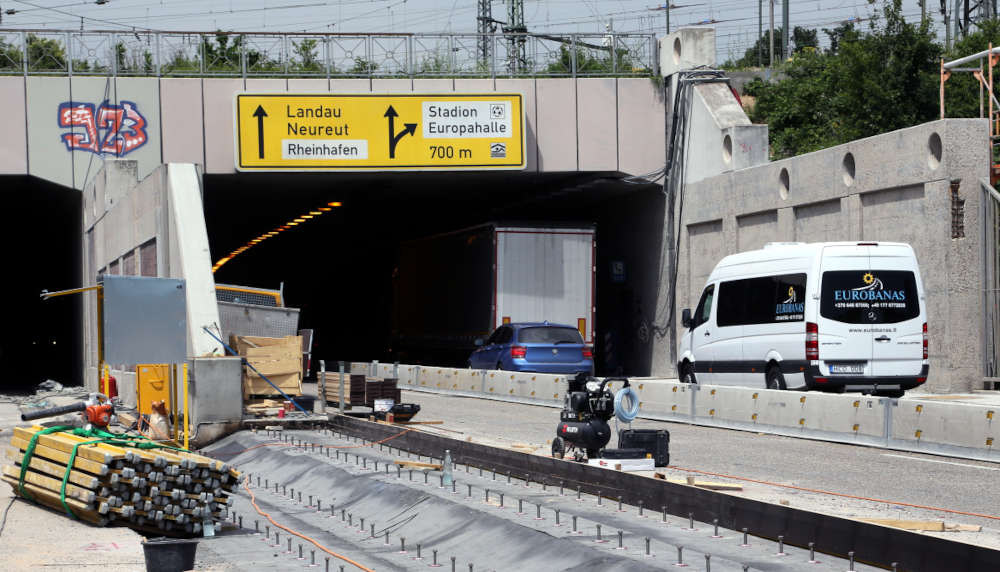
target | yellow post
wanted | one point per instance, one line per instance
(187, 426)
(101, 387)
(175, 402)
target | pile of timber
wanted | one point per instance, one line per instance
(278, 359)
(360, 389)
(162, 491)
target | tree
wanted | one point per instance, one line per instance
(803, 38)
(587, 63)
(363, 67)
(869, 84)
(11, 56)
(306, 59)
(837, 35)
(45, 54)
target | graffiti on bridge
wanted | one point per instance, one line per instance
(106, 129)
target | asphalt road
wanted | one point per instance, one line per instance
(894, 476)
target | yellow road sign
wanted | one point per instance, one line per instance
(379, 132)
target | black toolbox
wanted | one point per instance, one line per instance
(656, 442)
(633, 453)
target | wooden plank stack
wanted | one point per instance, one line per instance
(162, 491)
(279, 359)
(381, 388)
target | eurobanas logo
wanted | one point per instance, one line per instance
(791, 305)
(872, 291)
(106, 129)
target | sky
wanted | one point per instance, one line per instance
(736, 21)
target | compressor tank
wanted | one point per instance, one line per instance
(591, 435)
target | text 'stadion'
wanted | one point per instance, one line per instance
(329, 132)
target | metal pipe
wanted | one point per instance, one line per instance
(967, 59)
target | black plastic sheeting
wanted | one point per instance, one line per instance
(872, 544)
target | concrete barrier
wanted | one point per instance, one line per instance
(934, 427)
(965, 430)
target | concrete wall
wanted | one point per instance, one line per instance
(585, 124)
(893, 187)
(147, 226)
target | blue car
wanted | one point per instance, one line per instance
(534, 346)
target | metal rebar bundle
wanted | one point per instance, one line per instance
(148, 487)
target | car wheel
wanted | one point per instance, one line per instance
(774, 378)
(558, 448)
(687, 373)
(499, 366)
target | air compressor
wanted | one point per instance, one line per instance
(583, 422)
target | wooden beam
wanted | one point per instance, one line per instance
(99, 469)
(710, 485)
(53, 442)
(417, 465)
(921, 525)
(54, 485)
(56, 470)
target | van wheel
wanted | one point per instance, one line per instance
(687, 373)
(775, 379)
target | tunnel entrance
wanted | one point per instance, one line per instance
(338, 268)
(41, 237)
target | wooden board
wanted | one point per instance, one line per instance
(710, 485)
(278, 359)
(290, 383)
(417, 465)
(922, 525)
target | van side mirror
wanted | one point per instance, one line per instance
(686, 318)
(478, 342)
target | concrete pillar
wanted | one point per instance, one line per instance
(851, 207)
(786, 224)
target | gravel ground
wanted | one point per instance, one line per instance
(896, 477)
(33, 537)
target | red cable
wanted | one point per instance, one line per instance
(253, 501)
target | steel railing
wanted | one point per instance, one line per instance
(218, 54)
(990, 240)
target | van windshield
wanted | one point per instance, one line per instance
(869, 297)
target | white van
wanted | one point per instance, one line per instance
(832, 316)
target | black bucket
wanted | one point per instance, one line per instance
(169, 554)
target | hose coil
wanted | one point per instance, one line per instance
(626, 415)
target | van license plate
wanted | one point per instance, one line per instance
(847, 368)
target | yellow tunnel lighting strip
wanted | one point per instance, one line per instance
(301, 219)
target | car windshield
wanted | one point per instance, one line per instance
(549, 335)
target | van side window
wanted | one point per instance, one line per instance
(704, 309)
(764, 300)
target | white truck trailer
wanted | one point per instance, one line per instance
(452, 288)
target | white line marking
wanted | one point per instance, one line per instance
(942, 462)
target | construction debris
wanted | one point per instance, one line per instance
(100, 478)
(710, 485)
(924, 525)
(418, 465)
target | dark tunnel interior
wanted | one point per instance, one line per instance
(337, 267)
(41, 236)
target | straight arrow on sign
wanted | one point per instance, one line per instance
(260, 114)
